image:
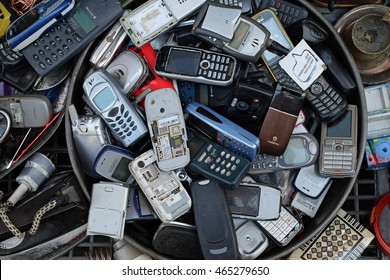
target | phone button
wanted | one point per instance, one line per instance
(205, 64)
(313, 148)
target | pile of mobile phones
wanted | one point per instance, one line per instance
(190, 131)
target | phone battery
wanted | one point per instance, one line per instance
(307, 204)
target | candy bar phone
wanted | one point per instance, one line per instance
(72, 34)
(107, 99)
(163, 189)
(222, 130)
(195, 65)
(112, 163)
(147, 21)
(167, 129)
(302, 150)
(339, 145)
(215, 162)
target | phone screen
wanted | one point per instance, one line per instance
(277, 35)
(244, 201)
(81, 17)
(341, 127)
(183, 62)
(121, 171)
(104, 98)
(296, 152)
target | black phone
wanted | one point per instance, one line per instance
(195, 65)
(215, 162)
(214, 224)
(72, 34)
(286, 11)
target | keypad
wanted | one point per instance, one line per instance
(215, 66)
(338, 155)
(121, 122)
(324, 100)
(284, 228)
(222, 162)
(52, 47)
(264, 162)
(287, 14)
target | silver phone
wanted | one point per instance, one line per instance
(90, 134)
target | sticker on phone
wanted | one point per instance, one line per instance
(303, 65)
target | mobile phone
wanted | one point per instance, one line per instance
(280, 119)
(307, 29)
(147, 21)
(283, 229)
(325, 101)
(32, 24)
(302, 150)
(27, 110)
(222, 130)
(248, 104)
(286, 11)
(71, 34)
(22, 79)
(338, 149)
(195, 65)
(177, 239)
(107, 212)
(11, 59)
(90, 134)
(227, 29)
(215, 162)
(252, 242)
(129, 69)
(107, 99)
(245, 5)
(5, 125)
(163, 189)
(112, 163)
(167, 129)
(214, 224)
(109, 47)
(154, 81)
(310, 182)
(254, 201)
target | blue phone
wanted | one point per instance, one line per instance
(222, 130)
(27, 28)
(112, 163)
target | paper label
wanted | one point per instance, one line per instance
(303, 65)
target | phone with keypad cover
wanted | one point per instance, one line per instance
(325, 101)
(72, 34)
(107, 99)
(195, 65)
(215, 162)
(283, 229)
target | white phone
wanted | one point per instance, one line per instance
(166, 125)
(163, 189)
(154, 17)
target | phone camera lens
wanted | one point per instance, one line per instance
(141, 164)
(242, 106)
